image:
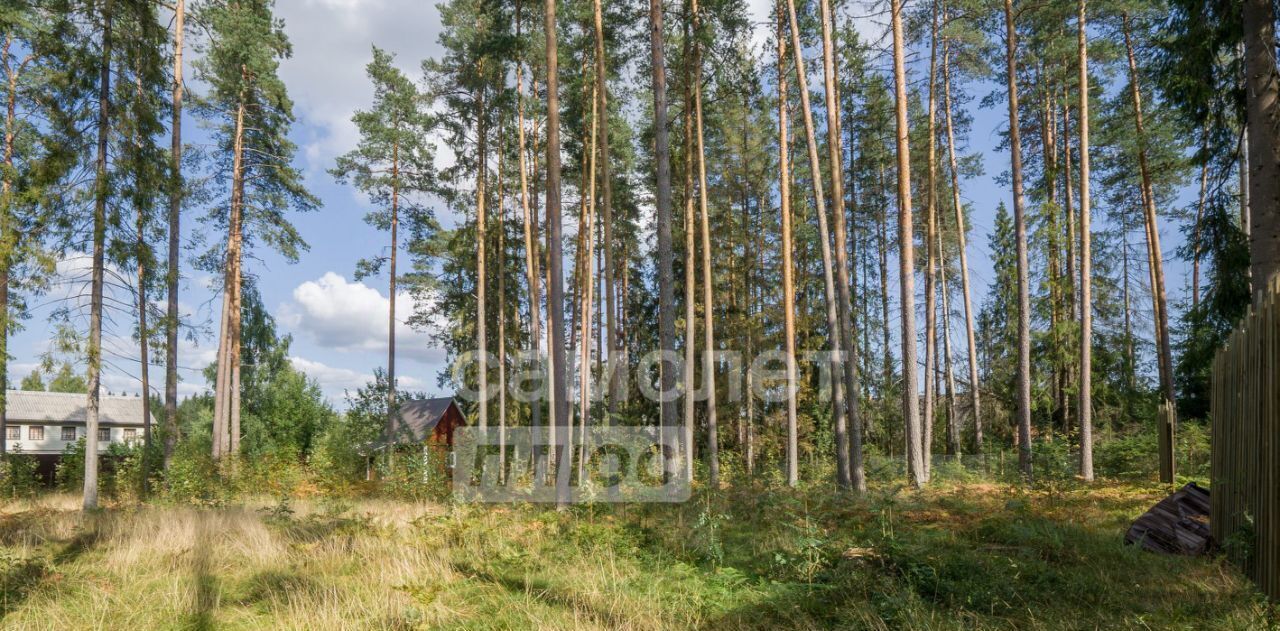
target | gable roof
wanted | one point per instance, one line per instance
(60, 407)
(416, 421)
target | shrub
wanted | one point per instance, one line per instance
(18, 475)
(1128, 456)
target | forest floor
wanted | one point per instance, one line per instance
(956, 556)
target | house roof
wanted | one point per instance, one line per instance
(416, 421)
(60, 407)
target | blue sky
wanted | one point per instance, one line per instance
(339, 325)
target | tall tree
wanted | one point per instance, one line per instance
(392, 164)
(906, 261)
(1086, 257)
(172, 275)
(708, 303)
(690, 252)
(253, 113)
(101, 194)
(555, 257)
(850, 456)
(662, 218)
(609, 288)
(1155, 254)
(788, 284)
(840, 407)
(1262, 113)
(931, 250)
(35, 156)
(533, 277)
(1020, 236)
(962, 230)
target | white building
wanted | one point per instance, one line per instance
(45, 423)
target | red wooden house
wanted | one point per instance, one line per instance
(422, 426)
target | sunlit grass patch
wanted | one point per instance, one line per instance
(955, 556)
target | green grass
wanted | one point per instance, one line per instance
(957, 556)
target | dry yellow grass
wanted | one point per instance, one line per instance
(953, 557)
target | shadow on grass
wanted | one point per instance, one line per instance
(546, 593)
(26, 577)
(206, 584)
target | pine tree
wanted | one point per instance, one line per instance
(916, 471)
(393, 165)
(253, 113)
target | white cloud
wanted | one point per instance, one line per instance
(352, 317)
(331, 46)
(335, 382)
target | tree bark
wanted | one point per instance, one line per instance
(1262, 106)
(533, 276)
(482, 176)
(916, 471)
(850, 448)
(100, 195)
(1020, 229)
(1086, 260)
(609, 286)
(144, 336)
(588, 277)
(690, 251)
(175, 242)
(1163, 344)
(502, 306)
(788, 282)
(931, 255)
(662, 207)
(839, 404)
(708, 302)
(555, 258)
(962, 230)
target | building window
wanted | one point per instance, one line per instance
(130, 435)
(68, 433)
(104, 434)
(35, 432)
(13, 432)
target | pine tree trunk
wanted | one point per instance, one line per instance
(962, 230)
(101, 195)
(931, 256)
(690, 280)
(1195, 234)
(555, 257)
(916, 471)
(662, 219)
(1020, 229)
(849, 447)
(839, 403)
(502, 307)
(1163, 344)
(883, 238)
(788, 282)
(392, 411)
(482, 279)
(953, 425)
(609, 286)
(1086, 261)
(708, 302)
(175, 242)
(9, 236)
(533, 277)
(588, 289)
(1262, 93)
(144, 335)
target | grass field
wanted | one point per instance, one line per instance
(957, 556)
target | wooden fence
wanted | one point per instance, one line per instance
(1245, 468)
